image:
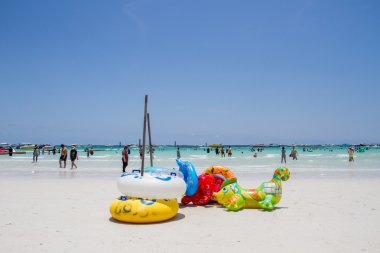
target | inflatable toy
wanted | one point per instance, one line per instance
(221, 174)
(138, 210)
(157, 183)
(266, 196)
(219, 170)
(190, 176)
(206, 185)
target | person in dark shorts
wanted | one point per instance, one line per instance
(10, 151)
(283, 155)
(73, 157)
(63, 156)
(36, 153)
(124, 157)
(222, 152)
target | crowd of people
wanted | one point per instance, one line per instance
(126, 151)
(63, 157)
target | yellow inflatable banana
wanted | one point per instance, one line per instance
(138, 210)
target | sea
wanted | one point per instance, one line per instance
(106, 160)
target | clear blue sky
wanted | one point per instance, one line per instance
(238, 72)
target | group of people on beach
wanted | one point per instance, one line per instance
(126, 152)
(62, 158)
(293, 154)
(73, 157)
(222, 151)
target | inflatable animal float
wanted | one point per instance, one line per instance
(189, 175)
(266, 196)
(200, 189)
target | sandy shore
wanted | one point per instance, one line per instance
(69, 213)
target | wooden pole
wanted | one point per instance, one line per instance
(144, 133)
(150, 142)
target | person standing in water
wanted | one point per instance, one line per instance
(222, 152)
(229, 151)
(73, 157)
(36, 153)
(125, 157)
(178, 153)
(63, 156)
(10, 151)
(141, 152)
(294, 153)
(283, 155)
(350, 154)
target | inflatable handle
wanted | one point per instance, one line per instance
(133, 171)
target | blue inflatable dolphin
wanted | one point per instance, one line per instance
(190, 176)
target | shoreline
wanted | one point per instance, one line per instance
(249, 175)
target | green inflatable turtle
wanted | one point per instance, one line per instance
(266, 196)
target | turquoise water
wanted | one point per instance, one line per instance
(108, 160)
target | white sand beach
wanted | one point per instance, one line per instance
(67, 212)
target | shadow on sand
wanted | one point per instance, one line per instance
(179, 216)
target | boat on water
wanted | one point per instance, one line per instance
(15, 153)
(215, 145)
(26, 145)
(3, 150)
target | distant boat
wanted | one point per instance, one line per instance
(26, 146)
(215, 145)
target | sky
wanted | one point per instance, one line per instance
(216, 71)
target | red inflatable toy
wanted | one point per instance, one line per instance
(206, 187)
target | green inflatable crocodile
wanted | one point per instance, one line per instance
(266, 196)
